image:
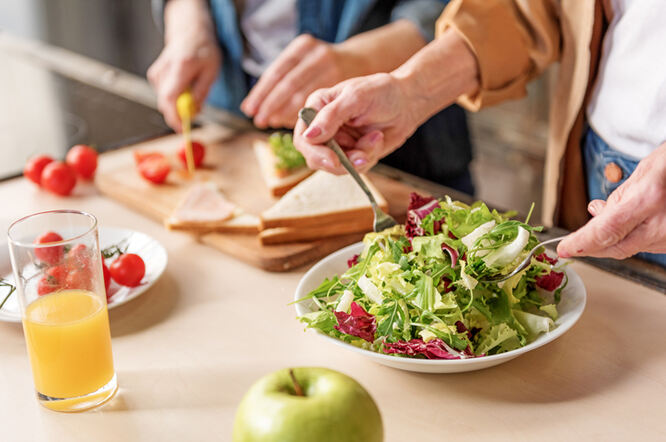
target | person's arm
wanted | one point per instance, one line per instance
(371, 116)
(308, 64)
(191, 56)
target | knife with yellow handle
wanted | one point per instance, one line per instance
(187, 110)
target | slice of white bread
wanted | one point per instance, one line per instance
(278, 185)
(281, 235)
(324, 200)
(204, 209)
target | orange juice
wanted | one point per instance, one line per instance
(69, 343)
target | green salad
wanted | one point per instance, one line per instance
(286, 156)
(418, 290)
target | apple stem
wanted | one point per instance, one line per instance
(297, 387)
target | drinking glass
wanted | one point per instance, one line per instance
(57, 267)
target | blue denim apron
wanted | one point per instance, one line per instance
(597, 155)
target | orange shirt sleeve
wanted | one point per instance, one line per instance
(513, 41)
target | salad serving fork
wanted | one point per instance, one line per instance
(382, 220)
(524, 263)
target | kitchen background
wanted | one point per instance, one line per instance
(509, 140)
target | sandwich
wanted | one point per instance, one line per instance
(281, 165)
(320, 206)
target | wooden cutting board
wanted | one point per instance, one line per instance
(231, 164)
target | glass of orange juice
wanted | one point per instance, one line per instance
(58, 271)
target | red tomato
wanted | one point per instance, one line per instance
(46, 285)
(79, 279)
(58, 274)
(128, 270)
(58, 178)
(155, 169)
(49, 255)
(107, 278)
(77, 257)
(83, 159)
(35, 166)
(198, 153)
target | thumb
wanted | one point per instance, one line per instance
(330, 118)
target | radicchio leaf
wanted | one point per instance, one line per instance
(460, 328)
(419, 208)
(550, 281)
(433, 349)
(543, 257)
(416, 200)
(453, 253)
(351, 262)
(358, 323)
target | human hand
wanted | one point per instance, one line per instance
(368, 116)
(305, 65)
(190, 59)
(633, 219)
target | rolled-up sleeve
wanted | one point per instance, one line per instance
(423, 13)
(513, 41)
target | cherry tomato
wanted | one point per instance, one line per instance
(77, 257)
(128, 270)
(107, 278)
(35, 166)
(49, 255)
(83, 159)
(154, 169)
(47, 284)
(58, 178)
(80, 279)
(57, 273)
(198, 153)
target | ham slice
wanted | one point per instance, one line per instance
(204, 206)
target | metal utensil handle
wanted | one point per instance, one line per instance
(307, 114)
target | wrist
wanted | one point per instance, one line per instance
(183, 17)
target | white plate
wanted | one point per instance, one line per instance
(570, 308)
(152, 252)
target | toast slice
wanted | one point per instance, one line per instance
(324, 200)
(278, 182)
(204, 209)
(282, 235)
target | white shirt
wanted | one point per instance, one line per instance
(268, 26)
(628, 104)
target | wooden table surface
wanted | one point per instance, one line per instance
(188, 349)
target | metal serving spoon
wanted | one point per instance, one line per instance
(382, 219)
(525, 262)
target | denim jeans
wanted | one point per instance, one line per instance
(597, 154)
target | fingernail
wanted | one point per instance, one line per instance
(312, 132)
(376, 137)
(579, 251)
(327, 163)
(360, 162)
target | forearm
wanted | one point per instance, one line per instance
(438, 74)
(186, 15)
(382, 49)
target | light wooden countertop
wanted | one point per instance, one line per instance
(188, 349)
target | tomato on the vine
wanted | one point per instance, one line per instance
(128, 270)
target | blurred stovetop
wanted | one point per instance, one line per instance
(43, 111)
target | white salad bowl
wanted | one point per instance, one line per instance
(570, 308)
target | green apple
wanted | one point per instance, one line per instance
(307, 404)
